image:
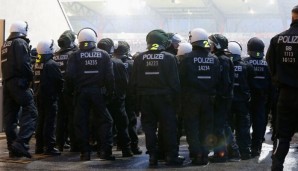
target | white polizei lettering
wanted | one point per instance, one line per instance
(4, 60)
(288, 39)
(153, 56)
(259, 77)
(258, 62)
(236, 84)
(60, 57)
(90, 72)
(204, 77)
(203, 60)
(90, 55)
(151, 73)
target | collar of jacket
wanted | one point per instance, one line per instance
(294, 23)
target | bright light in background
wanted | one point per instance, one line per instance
(271, 2)
(124, 7)
(251, 11)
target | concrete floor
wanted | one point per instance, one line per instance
(70, 161)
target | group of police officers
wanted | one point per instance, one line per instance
(91, 91)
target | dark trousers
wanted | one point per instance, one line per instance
(62, 121)
(117, 110)
(198, 118)
(46, 123)
(132, 121)
(158, 111)
(221, 111)
(257, 110)
(88, 99)
(287, 119)
(241, 123)
(15, 97)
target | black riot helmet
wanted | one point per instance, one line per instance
(106, 44)
(255, 47)
(218, 42)
(157, 40)
(122, 48)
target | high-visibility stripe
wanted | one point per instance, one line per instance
(90, 72)
(151, 73)
(204, 77)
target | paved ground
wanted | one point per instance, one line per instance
(70, 161)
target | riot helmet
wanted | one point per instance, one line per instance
(184, 48)
(157, 40)
(121, 48)
(235, 50)
(87, 35)
(67, 39)
(19, 27)
(45, 50)
(218, 42)
(45, 47)
(255, 47)
(106, 44)
(199, 37)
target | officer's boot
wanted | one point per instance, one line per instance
(256, 149)
(279, 154)
(126, 152)
(153, 159)
(219, 157)
(174, 160)
(135, 148)
(199, 160)
(85, 156)
(106, 155)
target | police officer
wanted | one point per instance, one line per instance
(122, 53)
(281, 56)
(65, 127)
(199, 74)
(116, 105)
(17, 74)
(155, 79)
(182, 49)
(89, 70)
(48, 84)
(259, 93)
(239, 118)
(175, 39)
(219, 45)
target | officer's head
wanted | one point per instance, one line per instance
(184, 48)
(175, 39)
(157, 40)
(218, 43)
(20, 28)
(255, 47)
(33, 54)
(295, 13)
(106, 44)
(67, 39)
(87, 38)
(235, 50)
(45, 50)
(122, 48)
(199, 37)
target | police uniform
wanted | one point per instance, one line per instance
(17, 75)
(48, 84)
(260, 87)
(199, 74)
(117, 107)
(130, 108)
(155, 79)
(65, 126)
(283, 65)
(239, 118)
(89, 70)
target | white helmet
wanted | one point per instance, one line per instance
(199, 36)
(184, 48)
(87, 35)
(45, 47)
(235, 48)
(19, 27)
